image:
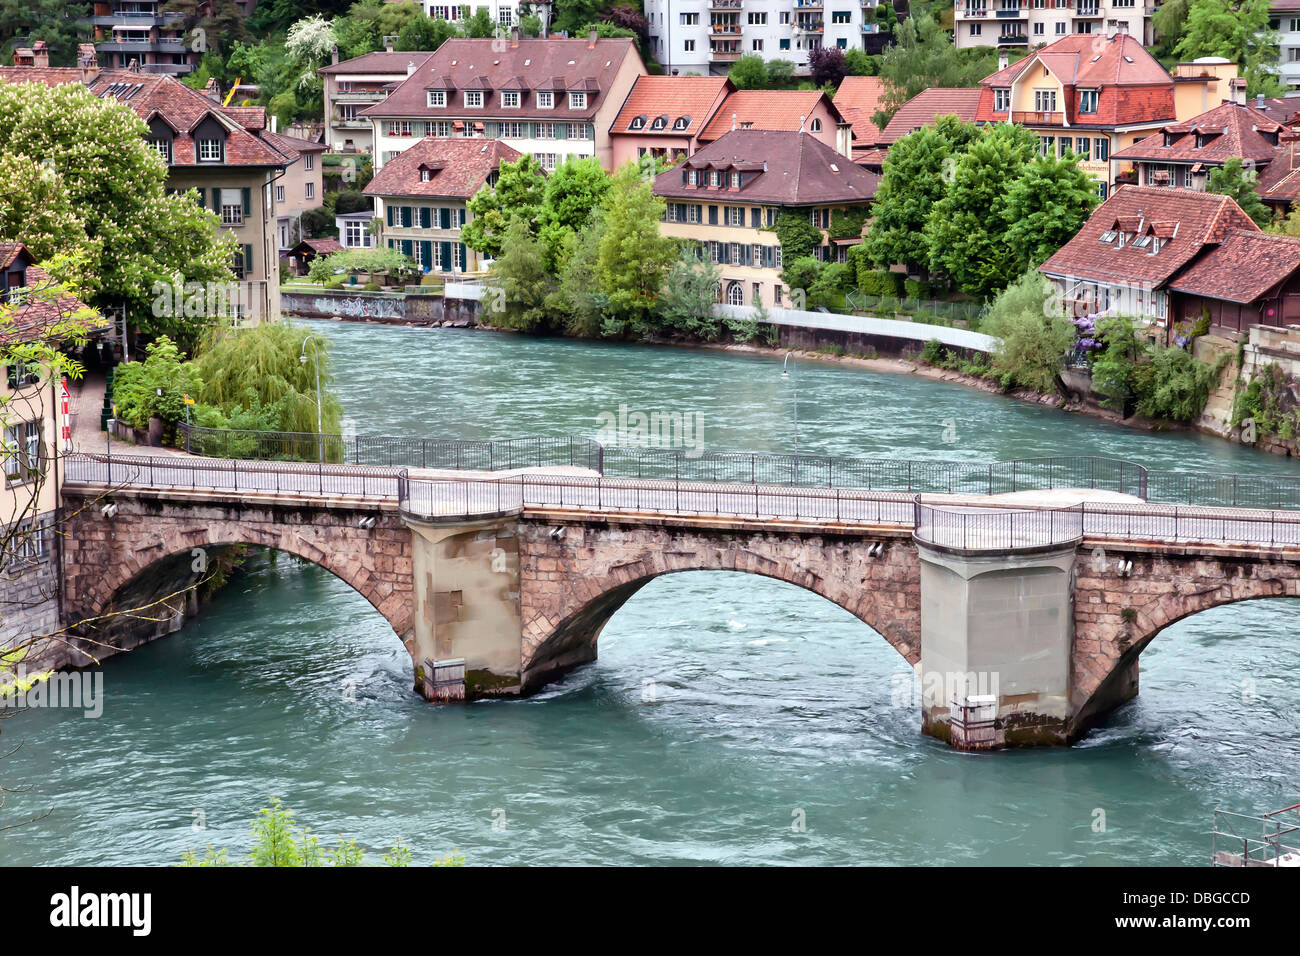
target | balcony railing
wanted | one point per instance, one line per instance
(1013, 41)
(725, 55)
(725, 4)
(982, 12)
(1088, 10)
(1036, 117)
(1013, 14)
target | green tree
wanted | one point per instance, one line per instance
(572, 15)
(1033, 334)
(156, 386)
(634, 257)
(801, 274)
(527, 290)
(1170, 23)
(1234, 179)
(1046, 205)
(797, 235)
(572, 192)
(913, 181)
(530, 25)
(519, 192)
(923, 56)
(749, 72)
(578, 297)
(480, 26)
(102, 174)
(859, 62)
(966, 230)
(424, 34)
(779, 73)
(690, 293)
(1238, 30)
(54, 21)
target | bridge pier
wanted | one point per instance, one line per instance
(999, 624)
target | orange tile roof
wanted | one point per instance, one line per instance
(858, 99)
(1244, 267)
(766, 109)
(922, 109)
(459, 167)
(695, 96)
(1236, 131)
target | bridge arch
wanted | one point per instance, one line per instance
(107, 558)
(572, 586)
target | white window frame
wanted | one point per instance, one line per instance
(545, 100)
(510, 99)
(577, 99)
(473, 99)
(207, 152)
(435, 99)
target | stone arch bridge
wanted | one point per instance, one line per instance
(518, 575)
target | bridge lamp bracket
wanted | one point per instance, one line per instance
(557, 534)
(367, 522)
(109, 510)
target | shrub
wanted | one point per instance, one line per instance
(879, 282)
(1034, 336)
(933, 352)
(916, 289)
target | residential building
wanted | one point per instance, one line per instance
(355, 230)
(30, 424)
(709, 38)
(1284, 16)
(504, 13)
(1138, 242)
(1012, 24)
(1250, 278)
(793, 111)
(858, 98)
(143, 33)
(726, 197)
(299, 189)
(1182, 154)
(665, 115)
(353, 85)
(421, 195)
(221, 152)
(302, 255)
(1093, 95)
(553, 98)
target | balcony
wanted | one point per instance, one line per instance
(1013, 41)
(726, 29)
(1088, 10)
(359, 96)
(1013, 14)
(1037, 117)
(810, 26)
(981, 12)
(724, 56)
(725, 4)
(808, 4)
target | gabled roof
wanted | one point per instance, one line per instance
(292, 146)
(694, 97)
(1189, 221)
(459, 168)
(49, 75)
(320, 247)
(788, 169)
(858, 98)
(472, 64)
(9, 251)
(767, 109)
(1280, 180)
(33, 316)
(382, 61)
(1244, 267)
(1133, 88)
(922, 109)
(1234, 131)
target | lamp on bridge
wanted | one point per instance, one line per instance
(785, 373)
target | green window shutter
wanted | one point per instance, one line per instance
(713, 215)
(445, 253)
(203, 196)
(390, 243)
(561, 130)
(406, 247)
(444, 218)
(216, 200)
(406, 216)
(389, 210)
(426, 254)
(425, 218)
(461, 260)
(248, 201)
(248, 259)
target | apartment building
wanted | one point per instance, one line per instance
(727, 196)
(553, 98)
(30, 424)
(1093, 95)
(1023, 24)
(694, 36)
(353, 85)
(143, 33)
(505, 14)
(421, 196)
(300, 188)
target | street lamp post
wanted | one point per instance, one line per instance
(320, 426)
(794, 381)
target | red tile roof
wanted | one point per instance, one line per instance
(292, 146)
(529, 65)
(459, 167)
(49, 75)
(1280, 180)
(767, 109)
(382, 61)
(1236, 131)
(1195, 220)
(1243, 268)
(858, 98)
(1133, 88)
(785, 168)
(36, 314)
(922, 109)
(321, 247)
(696, 97)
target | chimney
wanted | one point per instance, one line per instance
(801, 124)
(87, 62)
(388, 43)
(334, 54)
(733, 122)
(41, 54)
(1259, 101)
(410, 67)
(275, 123)
(514, 36)
(1004, 59)
(591, 38)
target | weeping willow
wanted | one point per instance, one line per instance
(259, 374)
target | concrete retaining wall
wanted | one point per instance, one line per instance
(857, 333)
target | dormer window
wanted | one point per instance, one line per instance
(660, 122)
(1107, 236)
(426, 174)
(163, 147)
(545, 100)
(577, 101)
(692, 177)
(681, 123)
(715, 178)
(436, 99)
(1155, 244)
(815, 126)
(510, 99)
(1087, 101)
(1001, 100)
(638, 122)
(474, 99)
(209, 151)
(735, 180)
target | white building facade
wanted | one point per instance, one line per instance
(708, 36)
(1020, 24)
(504, 13)
(1284, 16)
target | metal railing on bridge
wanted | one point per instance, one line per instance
(996, 529)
